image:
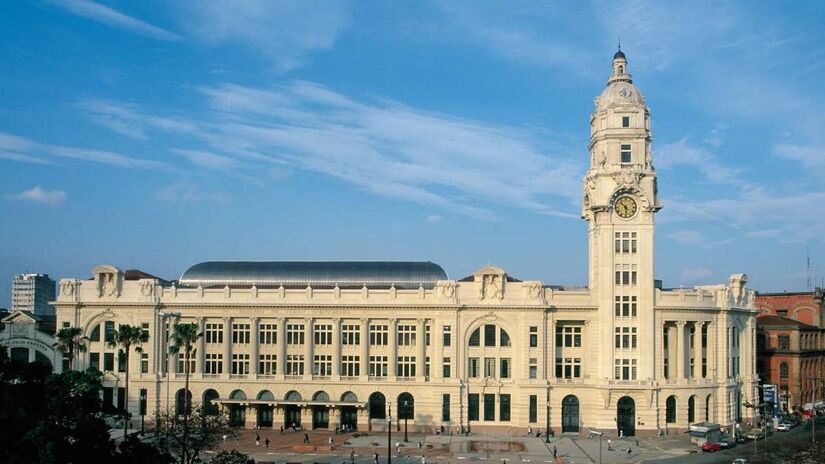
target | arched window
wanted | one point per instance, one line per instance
(349, 397)
(784, 371)
(95, 335)
(406, 406)
(180, 401)
(475, 337)
(378, 406)
(691, 409)
(621, 69)
(209, 407)
(670, 411)
(504, 338)
(292, 395)
(266, 395)
(320, 396)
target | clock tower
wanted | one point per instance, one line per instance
(620, 201)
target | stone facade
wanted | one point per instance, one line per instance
(487, 351)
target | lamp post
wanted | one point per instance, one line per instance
(406, 416)
(813, 411)
(389, 432)
(165, 316)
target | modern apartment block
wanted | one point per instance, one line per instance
(33, 292)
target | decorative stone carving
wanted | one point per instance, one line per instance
(253, 292)
(492, 281)
(281, 291)
(227, 292)
(147, 287)
(309, 291)
(421, 293)
(535, 290)
(337, 292)
(447, 289)
(365, 292)
(67, 288)
(393, 291)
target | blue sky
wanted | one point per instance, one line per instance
(155, 135)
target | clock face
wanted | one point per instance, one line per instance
(625, 93)
(625, 207)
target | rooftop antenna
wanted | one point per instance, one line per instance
(620, 42)
(809, 285)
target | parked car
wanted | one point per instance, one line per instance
(755, 434)
(710, 446)
(727, 442)
(740, 461)
(783, 427)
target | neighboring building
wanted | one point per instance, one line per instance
(323, 344)
(29, 337)
(32, 293)
(791, 345)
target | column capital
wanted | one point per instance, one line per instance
(254, 319)
(681, 324)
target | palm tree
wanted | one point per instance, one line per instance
(69, 341)
(184, 337)
(125, 338)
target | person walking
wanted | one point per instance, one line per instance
(282, 430)
(352, 456)
(628, 452)
(529, 431)
(257, 440)
(330, 441)
(306, 437)
(266, 442)
(375, 458)
(609, 445)
(554, 451)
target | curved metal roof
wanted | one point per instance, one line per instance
(402, 274)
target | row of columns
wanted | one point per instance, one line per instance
(679, 362)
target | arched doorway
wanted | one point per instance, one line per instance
(349, 413)
(320, 412)
(626, 416)
(405, 409)
(691, 409)
(670, 410)
(570, 414)
(237, 411)
(377, 406)
(292, 412)
(180, 401)
(265, 410)
(210, 408)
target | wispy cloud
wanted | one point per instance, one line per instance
(380, 146)
(25, 150)
(38, 195)
(183, 192)
(114, 18)
(683, 153)
(282, 31)
(695, 275)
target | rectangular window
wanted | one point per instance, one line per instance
(534, 337)
(351, 366)
(240, 334)
(322, 334)
(378, 335)
(267, 364)
(427, 367)
(504, 368)
(213, 333)
(446, 367)
(625, 369)
(294, 363)
(626, 158)
(489, 367)
(295, 334)
(240, 364)
(472, 406)
(504, 408)
(625, 121)
(445, 407)
(472, 368)
(489, 335)
(214, 364)
(533, 368)
(351, 335)
(625, 337)
(268, 334)
(625, 243)
(144, 332)
(534, 409)
(109, 330)
(406, 335)
(405, 366)
(378, 366)
(568, 368)
(489, 407)
(784, 342)
(568, 336)
(94, 360)
(144, 363)
(108, 362)
(447, 335)
(121, 361)
(426, 335)
(322, 365)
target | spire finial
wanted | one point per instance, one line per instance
(620, 42)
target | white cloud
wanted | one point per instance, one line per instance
(114, 18)
(695, 275)
(682, 153)
(811, 156)
(38, 195)
(282, 31)
(24, 149)
(433, 218)
(206, 159)
(187, 193)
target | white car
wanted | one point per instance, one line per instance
(783, 427)
(740, 461)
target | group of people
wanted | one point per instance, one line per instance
(294, 427)
(345, 428)
(258, 440)
(530, 432)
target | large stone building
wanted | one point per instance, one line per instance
(322, 344)
(790, 341)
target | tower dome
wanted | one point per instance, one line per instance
(620, 89)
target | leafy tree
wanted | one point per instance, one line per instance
(232, 457)
(188, 443)
(125, 338)
(69, 341)
(184, 337)
(134, 451)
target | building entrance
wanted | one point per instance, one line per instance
(626, 416)
(570, 414)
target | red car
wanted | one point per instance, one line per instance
(711, 447)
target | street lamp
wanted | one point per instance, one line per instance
(389, 432)
(813, 411)
(406, 416)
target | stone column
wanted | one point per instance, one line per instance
(680, 350)
(163, 348)
(281, 348)
(393, 341)
(365, 350)
(712, 373)
(697, 351)
(336, 348)
(227, 347)
(547, 344)
(421, 349)
(308, 347)
(201, 355)
(255, 339)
